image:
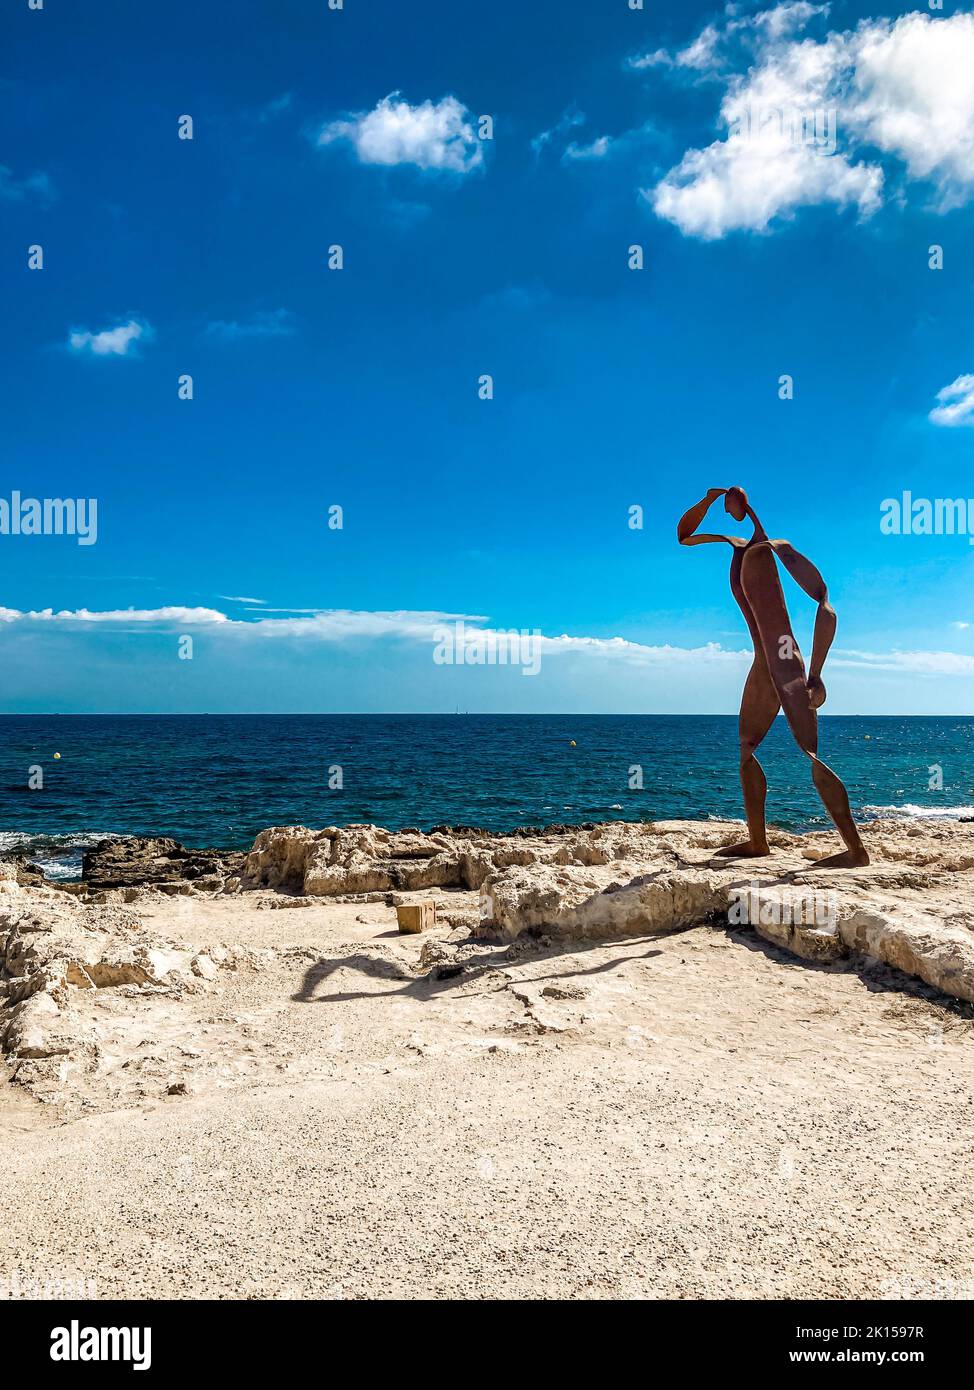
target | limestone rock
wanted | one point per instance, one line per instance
(923, 945)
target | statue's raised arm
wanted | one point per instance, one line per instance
(692, 518)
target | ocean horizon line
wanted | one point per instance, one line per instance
(425, 714)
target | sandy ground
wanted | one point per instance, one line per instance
(697, 1115)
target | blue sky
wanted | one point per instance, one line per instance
(358, 387)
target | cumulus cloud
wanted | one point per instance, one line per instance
(110, 342)
(900, 87)
(431, 135)
(740, 185)
(914, 98)
(956, 403)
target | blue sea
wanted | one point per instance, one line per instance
(216, 780)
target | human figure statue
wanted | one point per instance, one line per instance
(777, 679)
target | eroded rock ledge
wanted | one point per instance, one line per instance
(912, 907)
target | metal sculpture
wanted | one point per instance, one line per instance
(777, 679)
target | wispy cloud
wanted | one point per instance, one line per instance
(238, 598)
(171, 614)
(277, 323)
(918, 663)
(119, 341)
(700, 55)
(272, 109)
(518, 298)
(589, 149)
(35, 186)
(595, 149)
(720, 41)
(956, 403)
(432, 135)
(569, 120)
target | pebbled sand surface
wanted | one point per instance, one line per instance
(698, 1115)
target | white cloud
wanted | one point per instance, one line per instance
(787, 18)
(956, 403)
(337, 625)
(741, 185)
(701, 54)
(333, 624)
(913, 97)
(901, 87)
(110, 342)
(918, 663)
(431, 135)
(659, 58)
(597, 149)
(173, 614)
(278, 323)
(713, 47)
(239, 598)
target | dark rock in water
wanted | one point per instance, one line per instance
(28, 874)
(139, 860)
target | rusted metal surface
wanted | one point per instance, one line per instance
(777, 679)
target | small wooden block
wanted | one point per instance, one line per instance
(416, 917)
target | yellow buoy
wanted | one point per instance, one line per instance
(57, 755)
(573, 744)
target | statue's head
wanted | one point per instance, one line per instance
(735, 502)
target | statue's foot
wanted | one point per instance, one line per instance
(745, 850)
(848, 859)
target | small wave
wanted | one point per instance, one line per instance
(909, 811)
(59, 856)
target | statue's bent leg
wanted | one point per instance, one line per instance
(759, 706)
(803, 722)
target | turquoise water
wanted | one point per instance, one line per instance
(218, 780)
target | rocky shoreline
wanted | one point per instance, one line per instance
(64, 945)
(610, 1064)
